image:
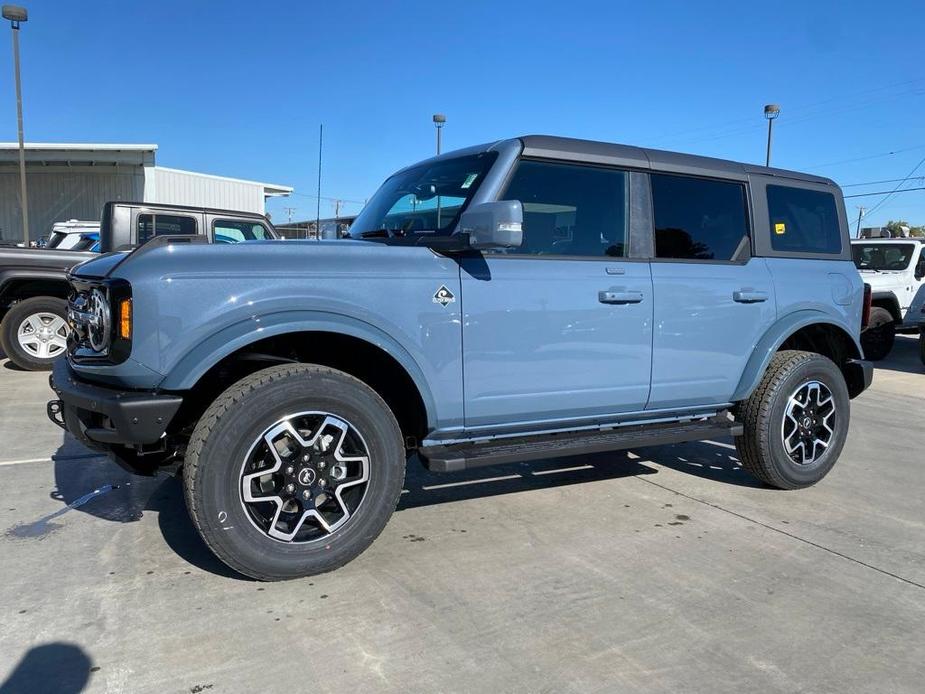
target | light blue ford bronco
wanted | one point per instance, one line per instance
(531, 298)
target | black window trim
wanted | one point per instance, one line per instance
(630, 226)
(154, 214)
(742, 254)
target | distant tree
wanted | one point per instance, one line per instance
(895, 228)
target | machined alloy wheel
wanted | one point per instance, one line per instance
(304, 477)
(809, 422)
(293, 471)
(43, 335)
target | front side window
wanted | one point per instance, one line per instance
(424, 199)
(150, 225)
(570, 209)
(232, 231)
(882, 256)
(698, 218)
(803, 221)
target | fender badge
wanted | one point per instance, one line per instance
(444, 296)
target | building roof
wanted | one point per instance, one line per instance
(269, 189)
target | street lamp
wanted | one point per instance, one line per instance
(16, 15)
(771, 111)
(439, 121)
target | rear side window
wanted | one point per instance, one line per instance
(570, 209)
(698, 219)
(803, 221)
(231, 231)
(150, 225)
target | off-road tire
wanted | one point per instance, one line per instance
(877, 340)
(14, 318)
(221, 441)
(761, 448)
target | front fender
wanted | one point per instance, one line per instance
(775, 337)
(195, 363)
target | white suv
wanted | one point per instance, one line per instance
(894, 269)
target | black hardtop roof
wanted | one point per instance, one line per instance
(189, 208)
(591, 151)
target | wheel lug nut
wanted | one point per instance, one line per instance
(290, 488)
(306, 495)
(306, 458)
(321, 465)
(322, 482)
(290, 470)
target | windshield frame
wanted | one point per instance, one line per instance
(909, 247)
(373, 217)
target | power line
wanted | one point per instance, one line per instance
(890, 195)
(883, 192)
(885, 180)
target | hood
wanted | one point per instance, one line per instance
(885, 279)
(101, 265)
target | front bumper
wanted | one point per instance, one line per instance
(101, 417)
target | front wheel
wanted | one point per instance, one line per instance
(795, 421)
(293, 471)
(34, 332)
(877, 340)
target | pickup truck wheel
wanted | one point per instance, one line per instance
(34, 332)
(795, 421)
(878, 339)
(293, 471)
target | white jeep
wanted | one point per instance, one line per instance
(895, 270)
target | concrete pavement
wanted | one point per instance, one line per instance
(658, 570)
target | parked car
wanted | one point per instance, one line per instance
(33, 281)
(532, 298)
(895, 270)
(74, 236)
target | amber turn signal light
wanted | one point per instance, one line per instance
(125, 319)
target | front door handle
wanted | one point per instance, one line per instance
(749, 296)
(618, 296)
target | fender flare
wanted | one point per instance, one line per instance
(775, 336)
(14, 276)
(196, 362)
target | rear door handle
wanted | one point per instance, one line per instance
(618, 296)
(749, 296)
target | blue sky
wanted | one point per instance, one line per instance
(238, 89)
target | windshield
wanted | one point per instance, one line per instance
(427, 198)
(882, 256)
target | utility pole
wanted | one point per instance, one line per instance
(861, 211)
(337, 204)
(16, 15)
(289, 211)
(318, 208)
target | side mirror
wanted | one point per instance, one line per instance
(494, 224)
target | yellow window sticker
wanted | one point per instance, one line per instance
(780, 228)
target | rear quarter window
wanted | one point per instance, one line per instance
(803, 221)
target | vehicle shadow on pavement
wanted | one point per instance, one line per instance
(904, 357)
(63, 668)
(92, 484)
(95, 485)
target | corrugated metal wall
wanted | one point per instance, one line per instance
(188, 188)
(61, 193)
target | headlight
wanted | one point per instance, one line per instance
(100, 316)
(99, 329)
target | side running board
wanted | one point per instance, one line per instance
(462, 456)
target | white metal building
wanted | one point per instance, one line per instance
(72, 181)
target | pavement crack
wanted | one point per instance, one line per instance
(782, 532)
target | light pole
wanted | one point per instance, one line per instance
(771, 111)
(16, 15)
(439, 121)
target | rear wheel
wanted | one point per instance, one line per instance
(293, 471)
(878, 339)
(34, 332)
(795, 421)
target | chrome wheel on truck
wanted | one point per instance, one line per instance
(293, 471)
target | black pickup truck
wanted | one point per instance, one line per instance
(33, 281)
